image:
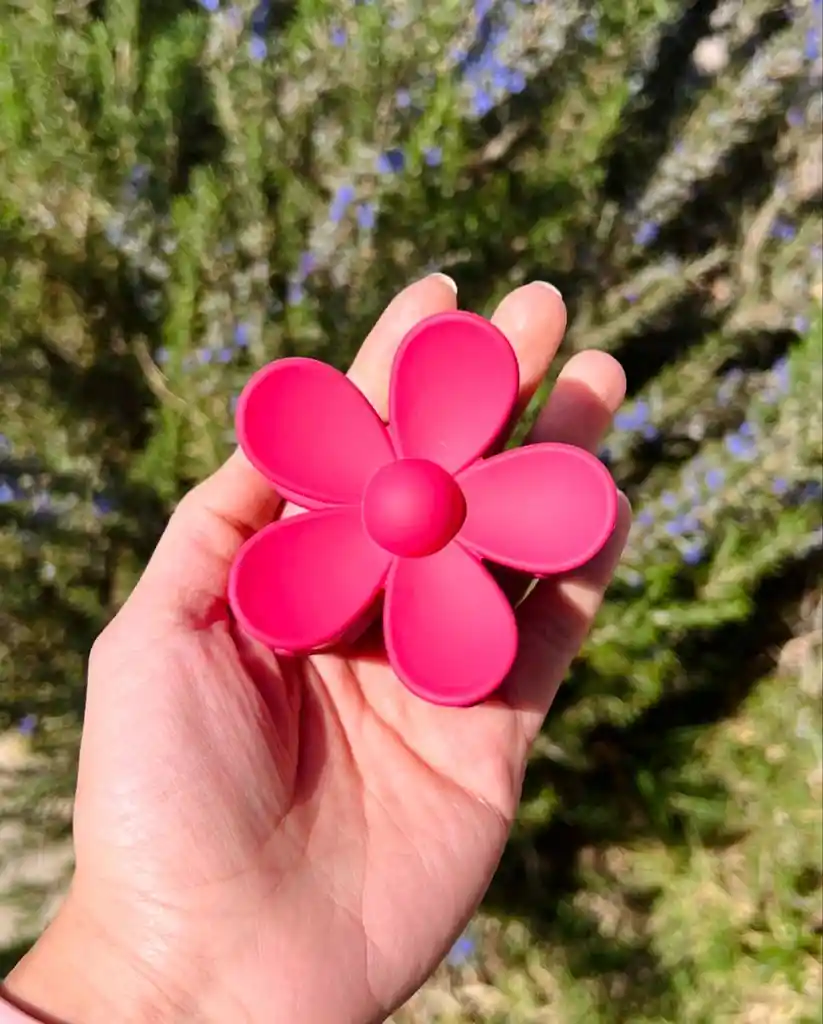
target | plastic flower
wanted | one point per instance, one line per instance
(411, 510)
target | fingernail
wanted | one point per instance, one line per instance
(551, 288)
(446, 280)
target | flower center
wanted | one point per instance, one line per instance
(412, 508)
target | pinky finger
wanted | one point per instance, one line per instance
(555, 619)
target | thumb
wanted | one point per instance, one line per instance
(187, 576)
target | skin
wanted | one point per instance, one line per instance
(261, 840)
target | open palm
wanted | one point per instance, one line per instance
(302, 839)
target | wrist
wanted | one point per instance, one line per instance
(78, 973)
(140, 965)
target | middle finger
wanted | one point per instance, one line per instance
(533, 318)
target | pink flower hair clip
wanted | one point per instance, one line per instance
(410, 511)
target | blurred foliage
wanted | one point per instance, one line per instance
(705, 932)
(189, 190)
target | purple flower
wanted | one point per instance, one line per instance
(343, 198)
(7, 493)
(338, 36)
(210, 5)
(783, 230)
(693, 552)
(729, 385)
(391, 162)
(669, 499)
(801, 324)
(780, 486)
(634, 417)
(677, 526)
(739, 446)
(812, 48)
(495, 38)
(295, 293)
(41, 503)
(812, 491)
(461, 951)
(101, 505)
(500, 77)
(242, 335)
(224, 355)
(366, 216)
(796, 117)
(28, 725)
(646, 233)
(258, 48)
(403, 99)
(515, 82)
(645, 517)
(482, 102)
(482, 8)
(433, 156)
(588, 30)
(139, 175)
(305, 265)
(650, 432)
(203, 355)
(161, 356)
(715, 479)
(780, 370)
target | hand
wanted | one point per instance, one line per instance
(302, 840)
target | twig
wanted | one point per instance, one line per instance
(611, 333)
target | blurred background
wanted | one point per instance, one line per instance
(188, 190)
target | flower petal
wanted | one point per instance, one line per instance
(307, 428)
(543, 509)
(450, 632)
(303, 582)
(454, 383)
